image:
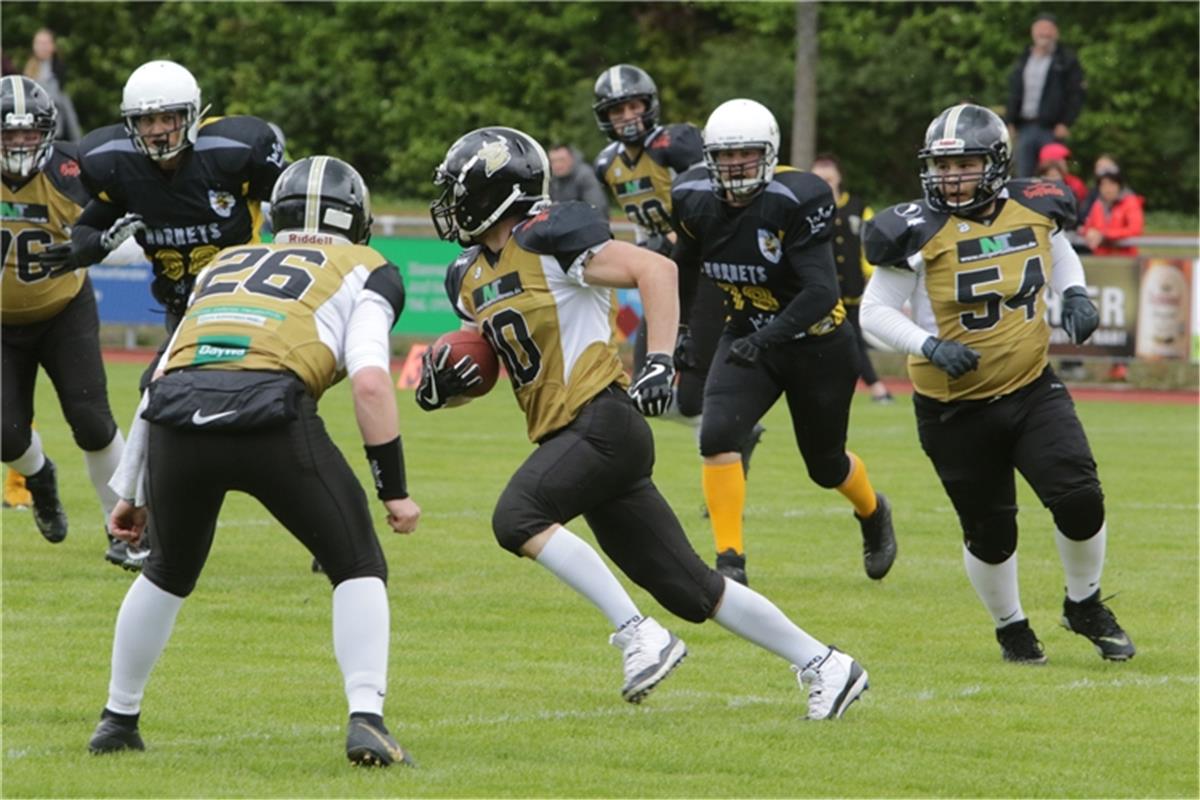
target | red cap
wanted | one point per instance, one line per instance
(1054, 151)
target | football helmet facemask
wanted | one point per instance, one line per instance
(618, 84)
(965, 130)
(488, 174)
(160, 87)
(741, 125)
(26, 106)
(321, 195)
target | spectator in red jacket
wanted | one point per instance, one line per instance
(1057, 154)
(1116, 215)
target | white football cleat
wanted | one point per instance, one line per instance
(651, 652)
(834, 682)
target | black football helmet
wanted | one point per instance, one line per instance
(26, 106)
(322, 194)
(488, 174)
(618, 84)
(965, 130)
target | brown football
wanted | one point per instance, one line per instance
(468, 343)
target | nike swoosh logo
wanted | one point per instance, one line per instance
(1010, 616)
(204, 419)
(1115, 639)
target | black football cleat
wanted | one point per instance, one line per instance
(116, 732)
(368, 744)
(48, 512)
(879, 539)
(1095, 621)
(1019, 644)
(733, 566)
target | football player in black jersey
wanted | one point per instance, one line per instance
(184, 185)
(537, 281)
(234, 408)
(761, 232)
(975, 258)
(49, 321)
(639, 167)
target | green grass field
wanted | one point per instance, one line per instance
(502, 683)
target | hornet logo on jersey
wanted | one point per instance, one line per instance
(495, 155)
(769, 245)
(221, 202)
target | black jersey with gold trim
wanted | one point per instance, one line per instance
(281, 307)
(38, 211)
(764, 254)
(642, 185)
(210, 202)
(982, 283)
(553, 331)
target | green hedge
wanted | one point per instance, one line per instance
(388, 86)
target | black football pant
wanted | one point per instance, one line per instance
(816, 375)
(67, 346)
(599, 467)
(975, 446)
(293, 469)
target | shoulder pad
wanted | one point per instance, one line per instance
(799, 187)
(569, 227)
(455, 274)
(896, 233)
(63, 171)
(605, 159)
(688, 184)
(679, 146)
(100, 153)
(1049, 198)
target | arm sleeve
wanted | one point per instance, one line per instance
(686, 255)
(367, 343)
(128, 478)
(881, 311)
(1066, 270)
(96, 218)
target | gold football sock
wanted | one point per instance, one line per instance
(857, 488)
(15, 493)
(725, 496)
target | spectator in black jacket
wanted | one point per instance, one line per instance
(1045, 94)
(571, 178)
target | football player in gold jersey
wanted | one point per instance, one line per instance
(761, 232)
(537, 281)
(49, 321)
(975, 258)
(268, 330)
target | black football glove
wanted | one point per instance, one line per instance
(685, 351)
(440, 382)
(1079, 315)
(121, 230)
(57, 259)
(953, 358)
(652, 387)
(744, 352)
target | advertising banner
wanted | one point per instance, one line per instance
(1164, 306)
(1113, 287)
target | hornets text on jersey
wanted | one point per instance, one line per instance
(554, 332)
(280, 307)
(38, 212)
(642, 186)
(211, 201)
(982, 283)
(762, 255)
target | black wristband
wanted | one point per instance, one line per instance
(387, 469)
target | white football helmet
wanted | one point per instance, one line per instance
(156, 87)
(741, 125)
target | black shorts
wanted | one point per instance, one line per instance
(67, 346)
(599, 467)
(817, 377)
(975, 446)
(294, 470)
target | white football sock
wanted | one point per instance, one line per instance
(576, 564)
(101, 464)
(33, 459)
(755, 618)
(144, 626)
(1083, 562)
(361, 627)
(996, 585)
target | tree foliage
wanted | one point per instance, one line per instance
(389, 86)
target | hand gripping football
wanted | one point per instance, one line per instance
(468, 343)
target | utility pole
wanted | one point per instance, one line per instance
(804, 96)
